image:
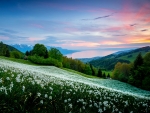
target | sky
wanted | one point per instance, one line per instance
(89, 25)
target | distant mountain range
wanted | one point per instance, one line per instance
(86, 60)
(108, 62)
(23, 48)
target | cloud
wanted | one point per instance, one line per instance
(4, 38)
(119, 28)
(102, 17)
(133, 24)
(120, 35)
(10, 31)
(37, 26)
(106, 16)
(144, 30)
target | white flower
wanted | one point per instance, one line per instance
(100, 110)
(38, 94)
(83, 107)
(69, 99)
(50, 88)
(46, 95)
(12, 75)
(1, 80)
(90, 105)
(10, 89)
(41, 101)
(23, 88)
(105, 102)
(7, 78)
(70, 105)
(18, 79)
(65, 101)
(11, 85)
(50, 97)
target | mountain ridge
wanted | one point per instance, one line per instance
(108, 62)
(24, 47)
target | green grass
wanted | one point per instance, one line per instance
(106, 72)
(134, 55)
(18, 60)
(82, 74)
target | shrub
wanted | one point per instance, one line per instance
(49, 61)
(15, 54)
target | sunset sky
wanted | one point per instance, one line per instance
(76, 24)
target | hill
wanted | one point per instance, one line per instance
(41, 88)
(108, 62)
(10, 48)
(86, 60)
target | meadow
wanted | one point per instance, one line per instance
(30, 88)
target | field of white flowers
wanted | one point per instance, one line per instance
(26, 88)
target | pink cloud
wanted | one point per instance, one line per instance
(119, 28)
(32, 39)
(37, 26)
(4, 38)
(129, 15)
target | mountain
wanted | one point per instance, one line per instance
(86, 60)
(23, 48)
(11, 48)
(108, 62)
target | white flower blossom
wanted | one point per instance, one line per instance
(38, 94)
(41, 101)
(46, 95)
(23, 88)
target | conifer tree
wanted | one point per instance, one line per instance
(104, 75)
(93, 72)
(108, 76)
(7, 53)
(138, 61)
(99, 73)
(27, 53)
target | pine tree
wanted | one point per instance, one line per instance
(99, 73)
(93, 72)
(7, 53)
(138, 61)
(108, 76)
(104, 75)
(27, 53)
(46, 54)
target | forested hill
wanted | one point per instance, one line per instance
(6, 50)
(10, 48)
(108, 62)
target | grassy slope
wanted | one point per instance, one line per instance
(30, 63)
(106, 72)
(18, 60)
(88, 76)
(134, 55)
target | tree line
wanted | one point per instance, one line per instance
(40, 55)
(7, 51)
(136, 73)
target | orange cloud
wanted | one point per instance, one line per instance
(109, 42)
